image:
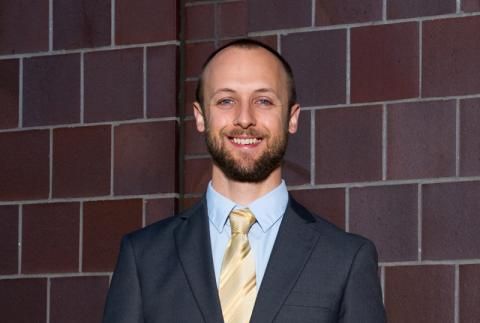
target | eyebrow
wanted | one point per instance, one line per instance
(261, 90)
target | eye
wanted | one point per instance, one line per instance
(264, 101)
(225, 101)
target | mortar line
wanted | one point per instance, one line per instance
(348, 77)
(458, 6)
(55, 275)
(456, 306)
(457, 138)
(384, 142)
(201, 3)
(112, 159)
(112, 22)
(82, 88)
(432, 263)
(314, 8)
(420, 221)
(312, 147)
(20, 238)
(382, 282)
(144, 213)
(145, 82)
(50, 25)
(80, 238)
(420, 59)
(48, 299)
(279, 43)
(20, 93)
(50, 161)
(347, 209)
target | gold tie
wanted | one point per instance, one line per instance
(237, 278)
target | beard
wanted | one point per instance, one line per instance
(248, 169)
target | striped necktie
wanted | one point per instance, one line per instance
(237, 278)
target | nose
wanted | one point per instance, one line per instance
(245, 116)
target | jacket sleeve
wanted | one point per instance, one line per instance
(362, 297)
(124, 302)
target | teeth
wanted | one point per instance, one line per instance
(246, 141)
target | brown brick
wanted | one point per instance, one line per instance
(297, 161)
(81, 161)
(200, 22)
(318, 61)
(104, 224)
(384, 62)
(24, 166)
(398, 9)
(451, 221)
(195, 56)
(77, 299)
(268, 40)
(51, 88)
(470, 137)
(421, 139)
(194, 140)
(50, 237)
(469, 293)
(159, 209)
(23, 300)
(161, 81)
(145, 158)
(281, 14)
(348, 145)
(80, 24)
(420, 294)
(114, 85)
(451, 48)
(8, 239)
(197, 174)
(145, 21)
(9, 93)
(189, 202)
(332, 12)
(24, 26)
(388, 216)
(232, 19)
(470, 5)
(327, 203)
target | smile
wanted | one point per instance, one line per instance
(245, 141)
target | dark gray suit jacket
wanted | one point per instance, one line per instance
(316, 273)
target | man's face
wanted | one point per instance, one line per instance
(245, 118)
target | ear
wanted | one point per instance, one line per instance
(293, 118)
(199, 117)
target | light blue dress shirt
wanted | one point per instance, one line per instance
(268, 211)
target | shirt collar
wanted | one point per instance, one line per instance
(267, 209)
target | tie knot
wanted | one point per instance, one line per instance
(241, 220)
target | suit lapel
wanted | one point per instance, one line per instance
(293, 246)
(193, 244)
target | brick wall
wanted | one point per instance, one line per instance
(95, 141)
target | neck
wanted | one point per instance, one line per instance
(241, 192)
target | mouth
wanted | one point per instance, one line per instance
(245, 141)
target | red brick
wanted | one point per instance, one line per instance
(384, 62)
(189, 94)
(232, 19)
(450, 221)
(388, 216)
(145, 158)
(281, 14)
(470, 5)
(24, 26)
(200, 22)
(420, 294)
(159, 209)
(269, 40)
(24, 166)
(332, 12)
(469, 293)
(189, 202)
(297, 161)
(195, 56)
(114, 85)
(145, 21)
(398, 9)
(9, 93)
(80, 24)
(161, 81)
(194, 140)
(348, 145)
(77, 299)
(50, 237)
(23, 300)
(470, 137)
(81, 161)
(51, 88)
(421, 139)
(318, 61)
(104, 224)
(197, 174)
(451, 48)
(327, 203)
(8, 239)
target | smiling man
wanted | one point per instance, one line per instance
(247, 252)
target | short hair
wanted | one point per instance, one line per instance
(250, 44)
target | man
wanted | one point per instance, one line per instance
(247, 251)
